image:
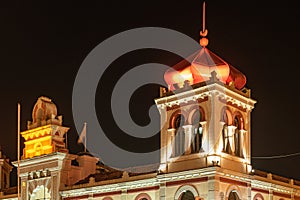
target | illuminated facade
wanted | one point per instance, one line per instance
(205, 150)
(205, 147)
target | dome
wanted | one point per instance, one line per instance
(203, 64)
(179, 73)
(237, 77)
(44, 109)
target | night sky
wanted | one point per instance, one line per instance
(43, 44)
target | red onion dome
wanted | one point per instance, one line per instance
(205, 63)
(237, 78)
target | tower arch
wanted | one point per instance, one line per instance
(186, 190)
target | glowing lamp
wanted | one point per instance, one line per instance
(213, 160)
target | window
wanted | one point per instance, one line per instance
(233, 196)
(197, 132)
(107, 198)
(225, 118)
(258, 196)
(238, 134)
(231, 132)
(186, 192)
(187, 195)
(179, 136)
(237, 145)
(143, 196)
(226, 144)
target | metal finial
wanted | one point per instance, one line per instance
(204, 32)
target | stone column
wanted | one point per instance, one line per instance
(204, 136)
(24, 187)
(170, 150)
(164, 135)
(270, 194)
(243, 147)
(124, 194)
(55, 183)
(213, 188)
(223, 137)
(188, 139)
(231, 131)
(162, 191)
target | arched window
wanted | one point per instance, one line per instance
(143, 196)
(197, 132)
(226, 144)
(258, 196)
(107, 198)
(187, 195)
(233, 196)
(237, 139)
(226, 118)
(186, 192)
(179, 135)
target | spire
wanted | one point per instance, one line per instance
(204, 32)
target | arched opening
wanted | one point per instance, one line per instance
(197, 131)
(237, 142)
(258, 196)
(233, 195)
(143, 196)
(178, 124)
(238, 123)
(186, 192)
(226, 116)
(226, 119)
(107, 198)
(187, 195)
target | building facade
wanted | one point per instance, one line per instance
(205, 147)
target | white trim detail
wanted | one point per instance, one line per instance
(206, 91)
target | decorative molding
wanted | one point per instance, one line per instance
(203, 92)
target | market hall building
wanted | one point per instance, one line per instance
(205, 147)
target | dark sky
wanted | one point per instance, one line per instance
(43, 44)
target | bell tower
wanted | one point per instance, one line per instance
(205, 124)
(45, 132)
(45, 153)
(205, 114)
